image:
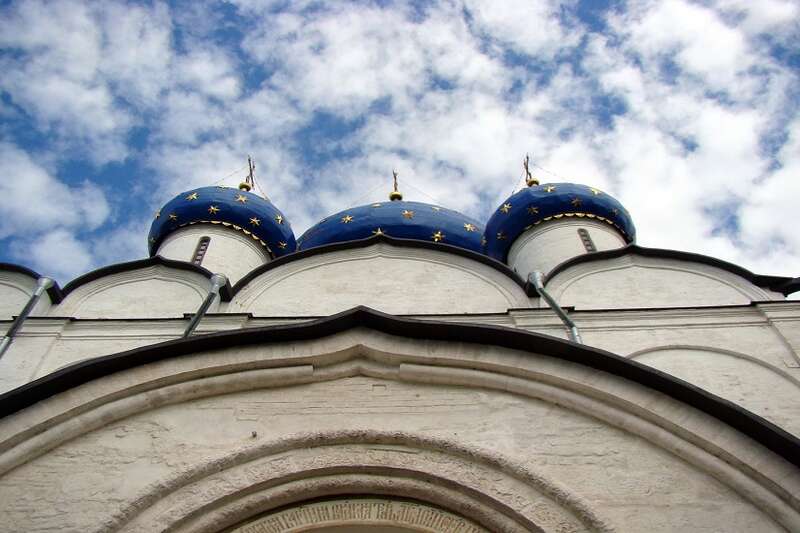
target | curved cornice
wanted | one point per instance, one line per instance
(394, 241)
(782, 284)
(225, 292)
(55, 292)
(755, 427)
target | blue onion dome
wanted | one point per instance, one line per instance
(399, 219)
(552, 201)
(236, 209)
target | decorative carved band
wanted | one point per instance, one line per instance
(361, 512)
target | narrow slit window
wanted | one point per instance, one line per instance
(586, 239)
(200, 251)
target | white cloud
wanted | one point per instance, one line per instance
(769, 214)
(136, 52)
(210, 72)
(58, 254)
(33, 201)
(187, 116)
(774, 16)
(433, 95)
(55, 77)
(533, 27)
(346, 57)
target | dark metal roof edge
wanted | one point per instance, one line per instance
(225, 292)
(784, 285)
(755, 427)
(54, 292)
(394, 241)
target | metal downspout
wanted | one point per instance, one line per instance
(42, 284)
(217, 282)
(536, 279)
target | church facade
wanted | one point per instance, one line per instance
(400, 367)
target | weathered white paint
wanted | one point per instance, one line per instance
(154, 291)
(634, 281)
(387, 278)
(170, 444)
(768, 391)
(230, 252)
(131, 444)
(544, 246)
(756, 332)
(15, 291)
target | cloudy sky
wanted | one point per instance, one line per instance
(686, 111)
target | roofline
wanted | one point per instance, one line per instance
(755, 427)
(54, 291)
(394, 241)
(783, 284)
(156, 260)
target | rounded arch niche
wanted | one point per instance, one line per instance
(361, 481)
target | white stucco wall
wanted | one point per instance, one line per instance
(767, 390)
(229, 252)
(158, 441)
(387, 278)
(758, 333)
(633, 281)
(155, 291)
(544, 246)
(15, 291)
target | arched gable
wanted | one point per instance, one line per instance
(633, 280)
(17, 284)
(393, 275)
(765, 389)
(153, 287)
(558, 411)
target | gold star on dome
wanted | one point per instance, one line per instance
(438, 236)
(282, 245)
(173, 216)
(378, 231)
(576, 202)
(549, 188)
(594, 191)
(255, 221)
(192, 196)
(152, 240)
(158, 214)
(436, 208)
(501, 236)
(213, 209)
(615, 211)
(505, 208)
(469, 227)
(483, 241)
(241, 198)
(347, 219)
(279, 219)
(533, 210)
(408, 214)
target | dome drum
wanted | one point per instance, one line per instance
(540, 204)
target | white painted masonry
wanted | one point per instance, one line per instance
(229, 252)
(547, 245)
(455, 434)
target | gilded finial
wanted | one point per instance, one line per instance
(529, 179)
(395, 194)
(249, 181)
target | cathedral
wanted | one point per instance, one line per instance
(400, 367)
